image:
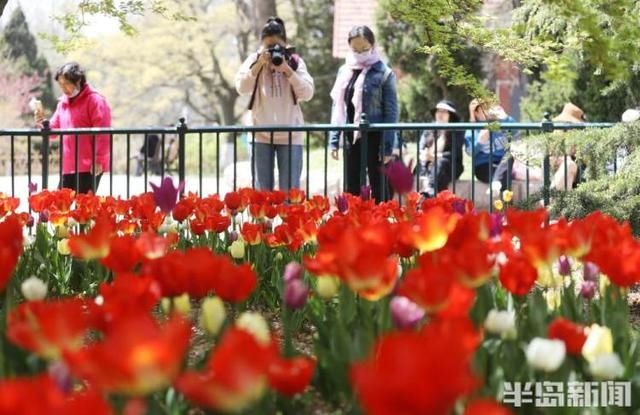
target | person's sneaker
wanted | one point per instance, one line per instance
(495, 187)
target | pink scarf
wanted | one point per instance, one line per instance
(339, 113)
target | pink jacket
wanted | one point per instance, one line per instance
(87, 109)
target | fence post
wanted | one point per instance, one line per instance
(182, 130)
(364, 128)
(547, 127)
(45, 153)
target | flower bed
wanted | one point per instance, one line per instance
(151, 306)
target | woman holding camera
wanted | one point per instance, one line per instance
(277, 81)
(80, 106)
(364, 85)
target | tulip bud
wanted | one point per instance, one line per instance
(237, 249)
(293, 271)
(588, 289)
(212, 315)
(63, 247)
(233, 236)
(30, 221)
(564, 266)
(365, 192)
(405, 314)
(295, 294)
(165, 304)
(342, 203)
(255, 324)
(33, 288)
(500, 322)
(182, 304)
(606, 366)
(43, 217)
(554, 299)
(590, 272)
(279, 256)
(327, 287)
(62, 231)
(60, 374)
(599, 341)
(545, 354)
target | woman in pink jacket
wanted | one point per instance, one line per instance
(277, 81)
(80, 106)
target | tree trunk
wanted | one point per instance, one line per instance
(3, 4)
(263, 9)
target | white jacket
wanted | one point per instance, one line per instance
(274, 101)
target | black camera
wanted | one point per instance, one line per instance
(280, 54)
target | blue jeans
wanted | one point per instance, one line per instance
(264, 156)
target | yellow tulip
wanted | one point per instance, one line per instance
(327, 286)
(599, 342)
(63, 247)
(212, 315)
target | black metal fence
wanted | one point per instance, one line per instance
(174, 159)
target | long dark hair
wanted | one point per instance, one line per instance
(274, 27)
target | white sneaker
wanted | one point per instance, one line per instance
(495, 187)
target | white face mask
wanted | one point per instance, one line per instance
(362, 56)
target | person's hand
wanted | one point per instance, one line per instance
(264, 59)
(99, 169)
(334, 155)
(283, 68)
(38, 116)
(484, 136)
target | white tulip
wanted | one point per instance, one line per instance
(500, 322)
(606, 366)
(33, 289)
(545, 354)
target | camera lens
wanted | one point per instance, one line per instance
(277, 58)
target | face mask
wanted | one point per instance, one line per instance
(362, 57)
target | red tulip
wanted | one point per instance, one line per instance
(572, 334)
(136, 356)
(49, 328)
(291, 376)
(10, 247)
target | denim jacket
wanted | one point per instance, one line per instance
(482, 151)
(379, 103)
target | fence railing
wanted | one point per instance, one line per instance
(186, 151)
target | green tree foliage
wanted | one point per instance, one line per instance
(20, 48)
(617, 195)
(598, 61)
(421, 86)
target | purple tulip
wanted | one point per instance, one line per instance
(33, 187)
(459, 206)
(43, 217)
(588, 289)
(495, 224)
(295, 294)
(233, 236)
(342, 203)
(405, 313)
(365, 192)
(590, 272)
(293, 271)
(30, 221)
(564, 266)
(166, 195)
(60, 374)
(400, 176)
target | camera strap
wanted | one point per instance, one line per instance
(255, 89)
